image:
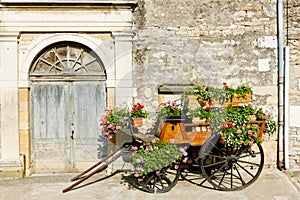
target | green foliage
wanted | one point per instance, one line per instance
(239, 114)
(242, 90)
(171, 109)
(218, 95)
(153, 157)
(237, 132)
(237, 135)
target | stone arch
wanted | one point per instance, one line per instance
(104, 51)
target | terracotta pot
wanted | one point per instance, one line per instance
(138, 121)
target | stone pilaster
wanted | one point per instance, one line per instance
(123, 67)
(10, 164)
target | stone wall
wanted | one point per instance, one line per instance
(207, 42)
(292, 30)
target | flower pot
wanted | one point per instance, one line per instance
(138, 121)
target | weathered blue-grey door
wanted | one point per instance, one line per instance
(65, 124)
(67, 98)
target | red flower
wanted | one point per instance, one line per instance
(133, 110)
(207, 108)
(226, 87)
(230, 125)
(224, 83)
(140, 106)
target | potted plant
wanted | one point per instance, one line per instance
(171, 111)
(113, 120)
(137, 113)
(154, 157)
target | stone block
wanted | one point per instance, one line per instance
(24, 117)
(23, 94)
(267, 42)
(264, 64)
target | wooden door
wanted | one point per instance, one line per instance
(65, 125)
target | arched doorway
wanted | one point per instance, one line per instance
(68, 94)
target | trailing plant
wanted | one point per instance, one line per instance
(238, 135)
(239, 114)
(113, 120)
(271, 125)
(218, 95)
(154, 157)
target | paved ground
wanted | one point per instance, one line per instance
(271, 185)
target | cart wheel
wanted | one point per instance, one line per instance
(228, 168)
(160, 182)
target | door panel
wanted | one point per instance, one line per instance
(65, 125)
(88, 107)
(49, 126)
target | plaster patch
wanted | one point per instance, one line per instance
(264, 65)
(267, 42)
(294, 116)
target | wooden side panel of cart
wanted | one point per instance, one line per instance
(194, 134)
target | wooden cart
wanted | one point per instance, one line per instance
(225, 167)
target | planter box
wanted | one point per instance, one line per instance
(237, 100)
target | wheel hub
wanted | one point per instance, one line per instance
(231, 160)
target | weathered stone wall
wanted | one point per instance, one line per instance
(207, 42)
(292, 30)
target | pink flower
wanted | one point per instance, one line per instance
(238, 131)
(140, 179)
(136, 175)
(172, 140)
(176, 167)
(134, 148)
(250, 132)
(185, 160)
(251, 144)
(265, 116)
(101, 128)
(255, 134)
(109, 136)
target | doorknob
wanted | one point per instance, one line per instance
(72, 131)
